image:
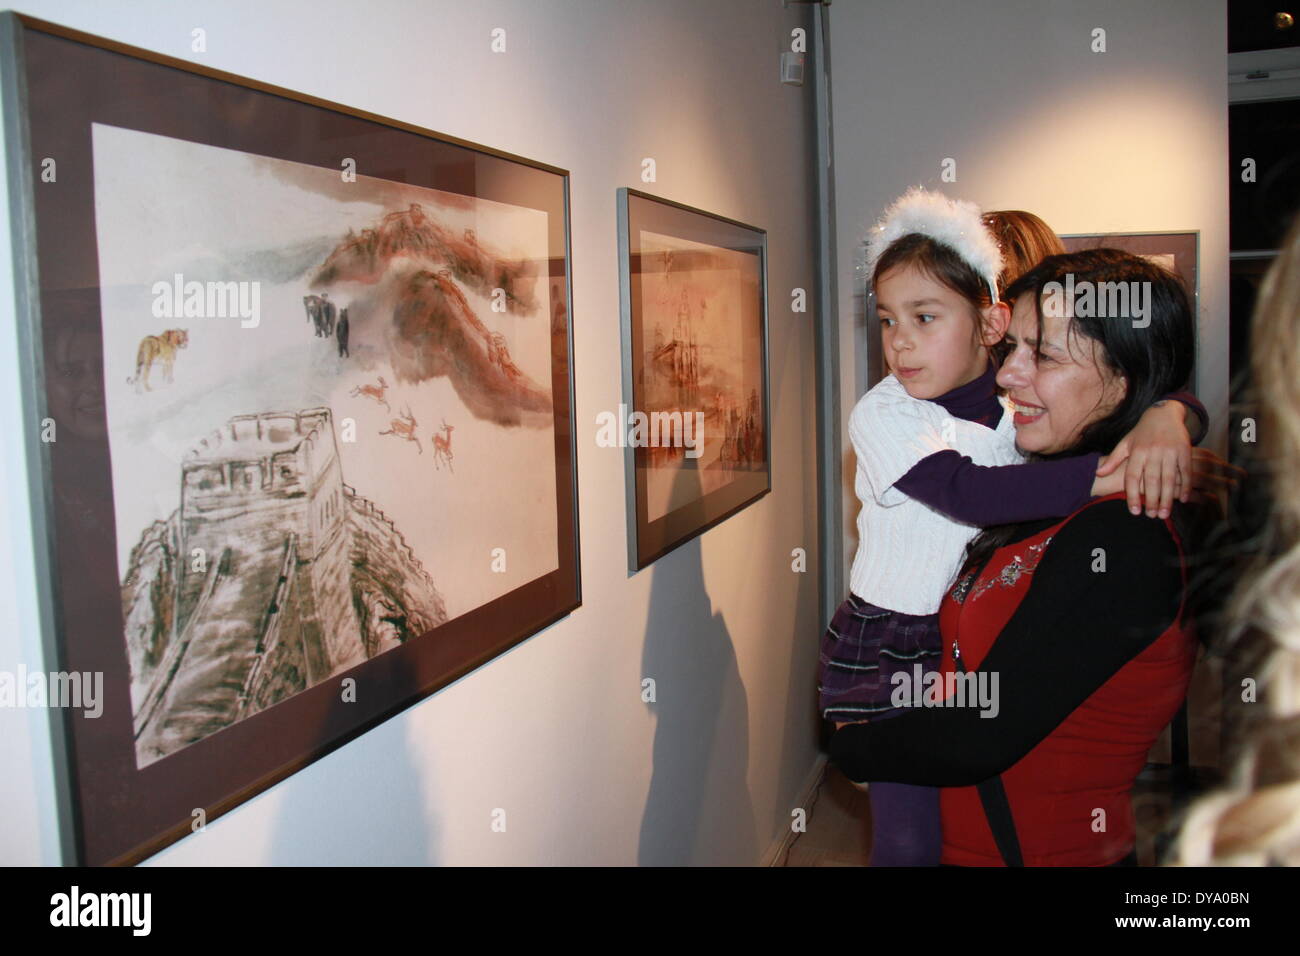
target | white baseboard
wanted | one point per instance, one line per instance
(775, 855)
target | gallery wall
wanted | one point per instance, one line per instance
(1132, 139)
(555, 731)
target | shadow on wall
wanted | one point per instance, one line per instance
(801, 726)
(358, 807)
(698, 810)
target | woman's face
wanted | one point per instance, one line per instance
(77, 386)
(1059, 394)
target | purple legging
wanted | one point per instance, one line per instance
(905, 827)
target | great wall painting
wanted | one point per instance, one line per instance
(697, 358)
(325, 485)
(272, 575)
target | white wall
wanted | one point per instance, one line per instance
(1134, 139)
(554, 731)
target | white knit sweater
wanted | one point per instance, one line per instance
(908, 553)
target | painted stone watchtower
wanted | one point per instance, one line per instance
(271, 576)
(261, 483)
(267, 473)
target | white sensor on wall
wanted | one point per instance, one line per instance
(792, 68)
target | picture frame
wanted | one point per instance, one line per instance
(870, 365)
(1176, 251)
(229, 538)
(694, 422)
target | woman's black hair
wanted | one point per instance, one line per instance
(1155, 352)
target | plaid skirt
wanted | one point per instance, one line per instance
(862, 650)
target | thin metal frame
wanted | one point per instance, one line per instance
(31, 367)
(830, 452)
(634, 560)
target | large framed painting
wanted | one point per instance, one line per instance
(301, 402)
(1176, 251)
(694, 421)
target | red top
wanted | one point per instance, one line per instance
(1069, 795)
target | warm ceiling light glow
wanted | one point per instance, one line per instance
(1283, 20)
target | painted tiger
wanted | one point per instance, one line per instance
(157, 348)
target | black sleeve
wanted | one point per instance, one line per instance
(1074, 629)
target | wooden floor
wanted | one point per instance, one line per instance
(839, 823)
(839, 826)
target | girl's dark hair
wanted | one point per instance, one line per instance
(942, 263)
(1156, 357)
(937, 260)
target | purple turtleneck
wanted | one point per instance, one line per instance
(976, 401)
(953, 484)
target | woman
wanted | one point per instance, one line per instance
(1162, 460)
(1025, 241)
(1255, 818)
(1073, 627)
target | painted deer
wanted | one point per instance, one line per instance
(442, 445)
(373, 391)
(404, 427)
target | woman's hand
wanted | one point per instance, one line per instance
(1212, 480)
(1157, 455)
(1113, 481)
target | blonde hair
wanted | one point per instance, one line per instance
(1024, 239)
(1254, 819)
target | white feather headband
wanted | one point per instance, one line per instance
(953, 222)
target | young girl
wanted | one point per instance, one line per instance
(936, 460)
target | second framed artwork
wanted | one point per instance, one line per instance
(694, 420)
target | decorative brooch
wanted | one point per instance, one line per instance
(1007, 577)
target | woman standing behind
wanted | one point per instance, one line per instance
(1255, 820)
(1025, 241)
